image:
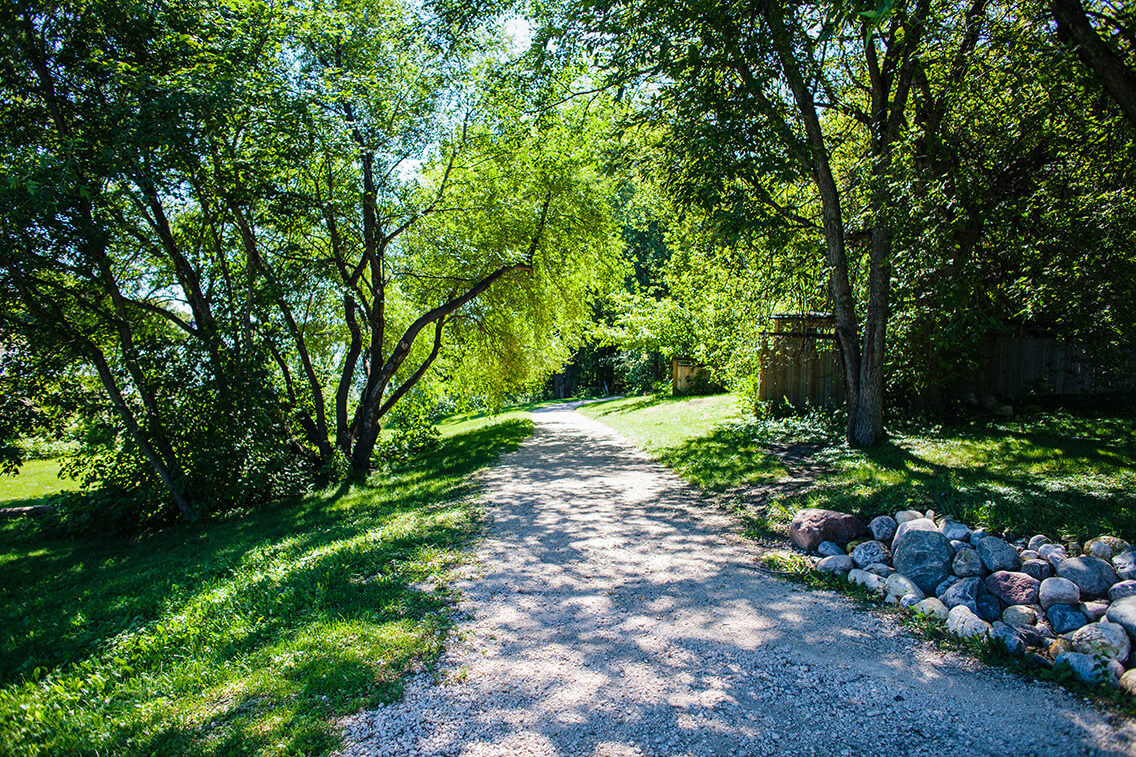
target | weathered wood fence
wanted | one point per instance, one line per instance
(800, 363)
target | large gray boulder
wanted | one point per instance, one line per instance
(1093, 576)
(811, 526)
(1125, 564)
(1123, 612)
(1122, 590)
(922, 553)
(1107, 640)
(955, 531)
(998, 554)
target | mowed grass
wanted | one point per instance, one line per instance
(238, 637)
(37, 478)
(694, 436)
(1067, 474)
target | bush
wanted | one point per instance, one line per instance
(411, 422)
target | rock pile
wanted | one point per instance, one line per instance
(1063, 604)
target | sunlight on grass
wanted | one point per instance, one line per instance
(1069, 475)
(238, 637)
(37, 478)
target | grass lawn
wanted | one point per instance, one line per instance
(1065, 474)
(238, 637)
(37, 478)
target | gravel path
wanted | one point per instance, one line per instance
(613, 612)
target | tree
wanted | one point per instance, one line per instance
(1109, 58)
(760, 95)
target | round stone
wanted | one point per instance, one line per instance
(1013, 588)
(1094, 611)
(882, 528)
(1122, 590)
(1092, 575)
(870, 552)
(1039, 569)
(1036, 541)
(1009, 637)
(1099, 549)
(921, 553)
(1123, 612)
(899, 586)
(1128, 681)
(1125, 564)
(835, 564)
(881, 570)
(997, 554)
(932, 607)
(829, 549)
(905, 515)
(1065, 618)
(1085, 667)
(1058, 591)
(962, 622)
(955, 531)
(1053, 553)
(1107, 640)
(1019, 615)
(967, 564)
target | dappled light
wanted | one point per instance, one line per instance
(260, 628)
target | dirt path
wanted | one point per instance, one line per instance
(614, 612)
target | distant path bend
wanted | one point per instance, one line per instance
(612, 611)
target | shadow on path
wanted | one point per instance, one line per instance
(615, 611)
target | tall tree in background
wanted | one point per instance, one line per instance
(1104, 37)
(759, 95)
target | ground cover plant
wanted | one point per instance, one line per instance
(1065, 473)
(241, 636)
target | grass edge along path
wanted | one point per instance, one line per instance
(245, 636)
(1069, 475)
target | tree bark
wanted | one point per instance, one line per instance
(1118, 79)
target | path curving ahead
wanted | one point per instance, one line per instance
(614, 612)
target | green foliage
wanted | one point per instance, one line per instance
(242, 637)
(412, 431)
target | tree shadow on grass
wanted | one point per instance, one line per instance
(305, 609)
(1079, 491)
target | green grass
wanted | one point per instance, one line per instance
(37, 478)
(1066, 474)
(237, 637)
(693, 436)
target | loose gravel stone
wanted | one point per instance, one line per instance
(612, 611)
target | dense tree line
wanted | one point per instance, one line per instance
(238, 236)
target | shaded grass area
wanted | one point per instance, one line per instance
(237, 637)
(1066, 474)
(37, 478)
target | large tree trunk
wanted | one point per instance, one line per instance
(1120, 81)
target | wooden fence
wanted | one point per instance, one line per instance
(800, 363)
(1014, 365)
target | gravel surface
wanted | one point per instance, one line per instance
(612, 611)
